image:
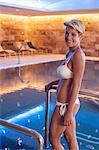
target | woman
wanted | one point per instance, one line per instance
(71, 73)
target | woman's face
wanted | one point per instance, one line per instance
(72, 37)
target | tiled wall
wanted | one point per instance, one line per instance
(47, 32)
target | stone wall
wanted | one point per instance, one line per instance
(47, 32)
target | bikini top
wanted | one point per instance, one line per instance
(63, 71)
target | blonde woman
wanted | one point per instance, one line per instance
(71, 73)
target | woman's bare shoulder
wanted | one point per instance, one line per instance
(78, 64)
(79, 56)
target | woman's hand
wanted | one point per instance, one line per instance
(51, 85)
(68, 118)
(48, 87)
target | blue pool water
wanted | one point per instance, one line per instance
(33, 117)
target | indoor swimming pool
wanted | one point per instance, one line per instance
(32, 115)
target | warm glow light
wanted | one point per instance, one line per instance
(13, 16)
(71, 16)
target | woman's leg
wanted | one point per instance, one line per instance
(70, 132)
(56, 130)
(70, 135)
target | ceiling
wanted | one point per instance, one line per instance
(46, 7)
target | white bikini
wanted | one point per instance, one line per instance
(65, 73)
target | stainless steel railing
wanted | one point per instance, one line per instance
(48, 97)
(19, 49)
(25, 130)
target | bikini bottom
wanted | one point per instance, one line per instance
(63, 106)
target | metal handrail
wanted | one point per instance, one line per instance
(19, 49)
(25, 130)
(48, 97)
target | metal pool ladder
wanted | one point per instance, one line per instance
(48, 97)
(25, 130)
(82, 94)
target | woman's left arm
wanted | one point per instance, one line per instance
(78, 71)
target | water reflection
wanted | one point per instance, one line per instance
(38, 75)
